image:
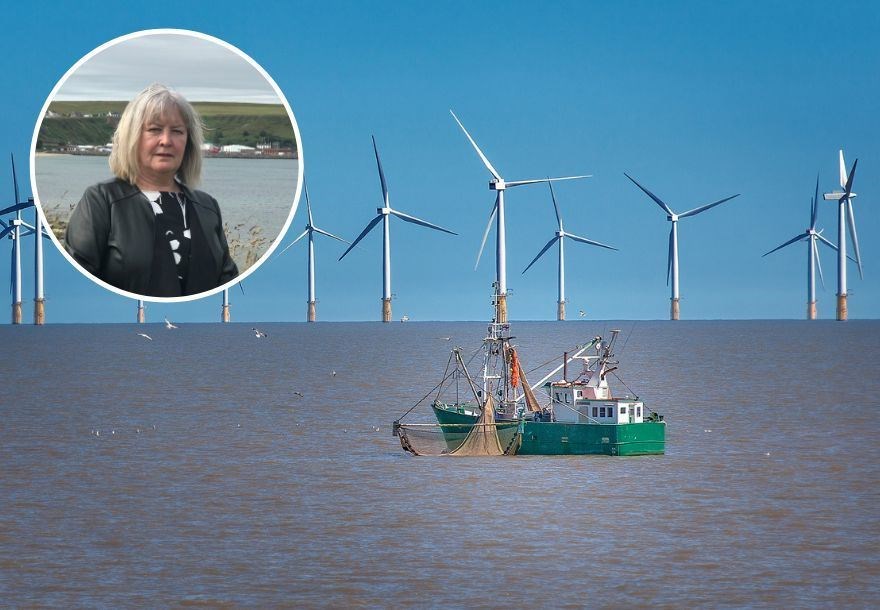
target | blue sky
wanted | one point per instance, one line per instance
(696, 100)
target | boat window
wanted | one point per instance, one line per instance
(638, 411)
(595, 411)
(623, 410)
(601, 411)
(567, 398)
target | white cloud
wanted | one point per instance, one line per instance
(201, 70)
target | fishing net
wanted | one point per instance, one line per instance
(484, 437)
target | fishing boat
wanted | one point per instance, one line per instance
(503, 416)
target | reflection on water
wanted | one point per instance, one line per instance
(188, 470)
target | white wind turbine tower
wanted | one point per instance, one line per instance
(311, 229)
(560, 238)
(499, 185)
(383, 215)
(13, 229)
(672, 260)
(844, 217)
(811, 236)
(225, 315)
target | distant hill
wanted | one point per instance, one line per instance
(93, 123)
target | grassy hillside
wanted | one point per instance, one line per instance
(226, 123)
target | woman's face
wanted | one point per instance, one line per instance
(162, 144)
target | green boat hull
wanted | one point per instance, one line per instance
(557, 438)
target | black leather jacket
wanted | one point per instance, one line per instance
(112, 234)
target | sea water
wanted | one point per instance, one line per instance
(207, 466)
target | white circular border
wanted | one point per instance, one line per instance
(299, 178)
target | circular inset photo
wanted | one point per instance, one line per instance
(167, 164)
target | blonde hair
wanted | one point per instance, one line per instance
(149, 104)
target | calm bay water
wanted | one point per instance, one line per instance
(255, 195)
(212, 482)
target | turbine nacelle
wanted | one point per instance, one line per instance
(837, 196)
(672, 218)
(384, 211)
(497, 185)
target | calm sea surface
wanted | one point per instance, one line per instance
(255, 195)
(187, 471)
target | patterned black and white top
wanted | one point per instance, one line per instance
(171, 219)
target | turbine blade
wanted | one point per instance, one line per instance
(849, 181)
(488, 165)
(381, 174)
(368, 228)
(555, 206)
(842, 170)
(851, 221)
(308, 203)
(241, 287)
(486, 232)
(16, 207)
(703, 208)
(669, 256)
(323, 232)
(6, 231)
(656, 199)
(826, 242)
(832, 246)
(584, 240)
(536, 180)
(419, 221)
(543, 250)
(14, 179)
(818, 262)
(814, 210)
(301, 235)
(790, 241)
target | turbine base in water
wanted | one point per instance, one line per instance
(16, 313)
(225, 316)
(841, 307)
(141, 317)
(673, 310)
(39, 312)
(311, 313)
(811, 310)
(386, 310)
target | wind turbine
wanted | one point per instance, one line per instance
(672, 260)
(225, 315)
(383, 215)
(14, 230)
(844, 217)
(560, 238)
(811, 236)
(141, 312)
(311, 229)
(499, 185)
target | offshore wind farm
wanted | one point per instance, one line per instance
(16, 229)
(685, 123)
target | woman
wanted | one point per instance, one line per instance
(147, 231)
